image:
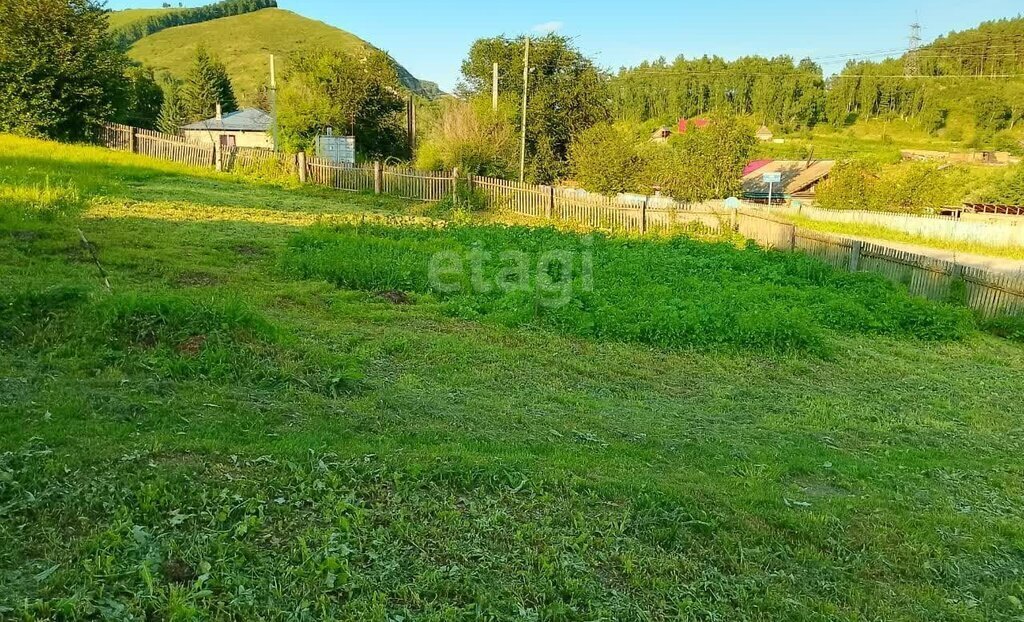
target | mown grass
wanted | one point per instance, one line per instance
(461, 469)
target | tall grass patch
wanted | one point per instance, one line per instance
(673, 293)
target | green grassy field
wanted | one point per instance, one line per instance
(271, 416)
(245, 42)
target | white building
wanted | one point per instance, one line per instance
(249, 127)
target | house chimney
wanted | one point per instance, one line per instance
(219, 113)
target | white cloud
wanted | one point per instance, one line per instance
(548, 27)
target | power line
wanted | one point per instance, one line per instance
(910, 60)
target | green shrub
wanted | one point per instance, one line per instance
(607, 159)
(912, 187)
(472, 138)
(1006, 189)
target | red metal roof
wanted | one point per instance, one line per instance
(697, 123)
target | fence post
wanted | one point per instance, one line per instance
(550, 207)
(792, 237)
(378, 177)
(643, 216)
(300, 160)
(218, 158)
(134, 142)
(455, 180)
(855, 252)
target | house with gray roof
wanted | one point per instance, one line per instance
(249, 127)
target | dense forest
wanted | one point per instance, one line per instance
(777, 91)
(976, 75)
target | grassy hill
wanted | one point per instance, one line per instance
(128, 17)
(244, 42)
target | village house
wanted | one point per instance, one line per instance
(249, 127)
(800, 179)
(764, 134)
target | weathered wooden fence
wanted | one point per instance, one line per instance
(168, 147)
(117, 136)
(256, 160)
(419, 185)
(973, 228)
(991, 294)
(354, 178)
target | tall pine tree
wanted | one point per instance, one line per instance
(172, 114)
(206, 85)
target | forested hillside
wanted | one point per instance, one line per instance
(970, 81)
(776, 91)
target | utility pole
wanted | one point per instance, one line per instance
(911, 67)
(522, 144)
(273, 99)
(494, 89)
(410, 119)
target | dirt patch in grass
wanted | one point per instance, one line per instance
(197, 279)
(178, 571)
(395, 296)
(248, 250)
(192, 346)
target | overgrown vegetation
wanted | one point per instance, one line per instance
(566, 94)
(676, 294)
(912, 187)
(473, 138)
(694, 166)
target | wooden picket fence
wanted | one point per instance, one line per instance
(354, 178)
(250, 159)
(168, 147)
(156, 145)
(418, 185)
(990, 294)
(116, 136)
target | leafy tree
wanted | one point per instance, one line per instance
(143, 99)
(567, 94)
(1007, 189)
(991, 112)
(359, 95)
(702, 164)
(913, 187)
(206, 85)
(61, 74)
(607, 159)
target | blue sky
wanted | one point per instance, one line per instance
(431, 38)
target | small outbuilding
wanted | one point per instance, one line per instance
(764, 134)
(249, 127)
(661, 135)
